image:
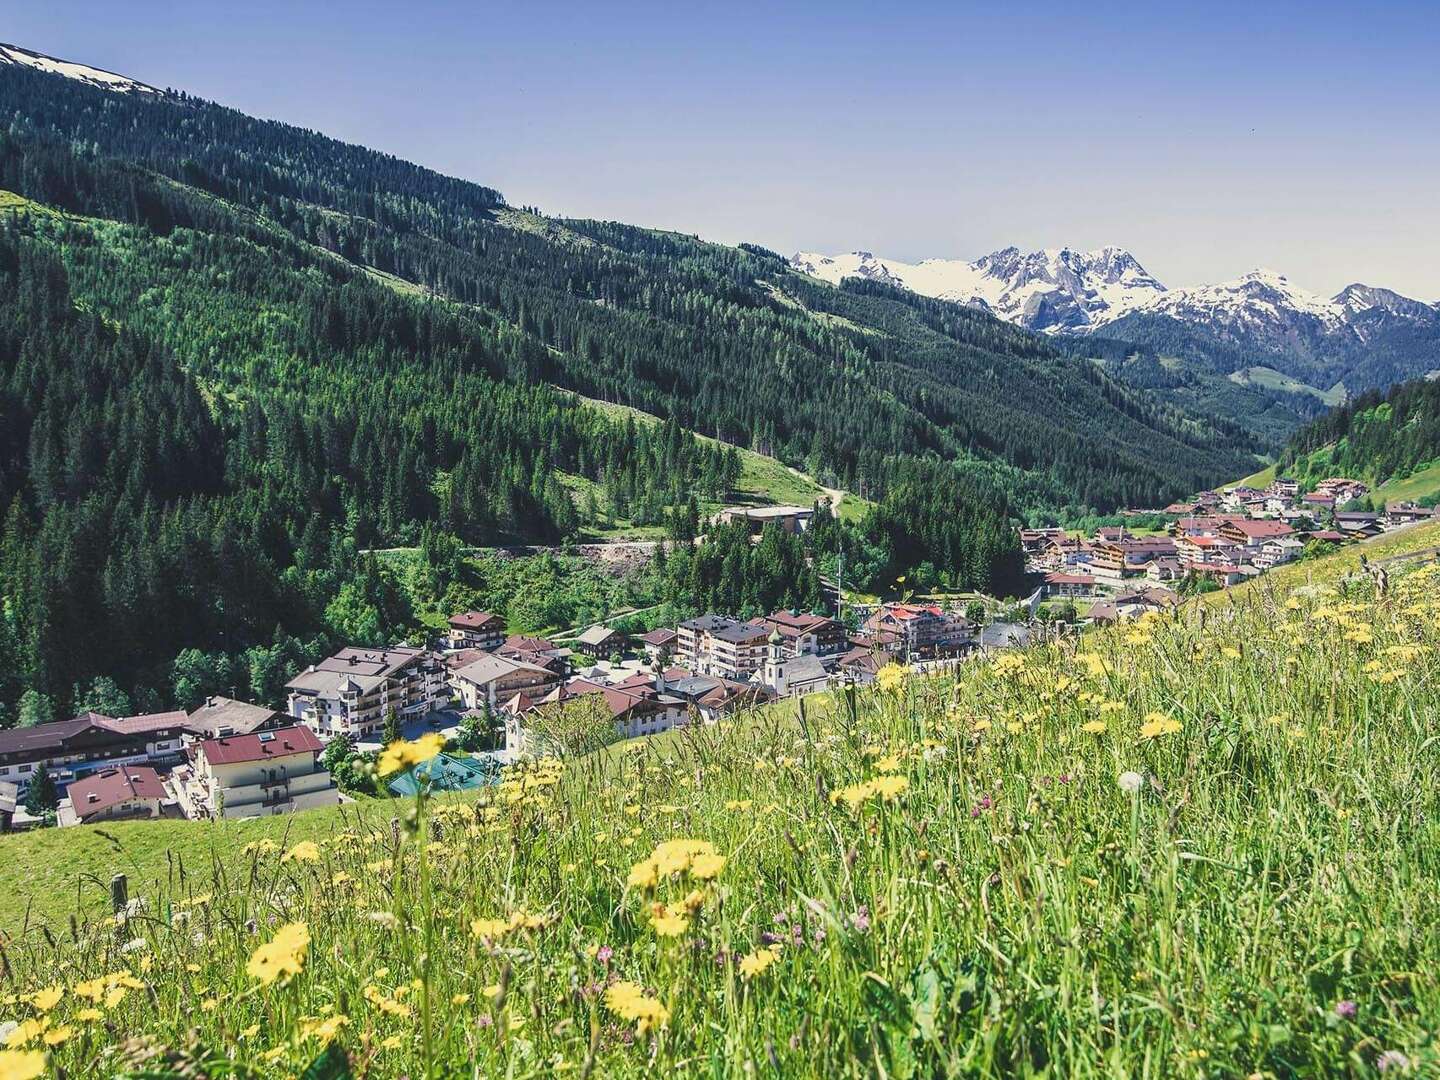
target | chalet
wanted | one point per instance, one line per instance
(1284, 487)
(126, 791)
(491, 678)
(1205, 549)
(1181, 509)
(1406, 513)
(1059, 583)
(1342, 489)
(476, 630)
(1117, 559)
(1201, 525)
(9, 799)
(220, 717)
(1034, 541)
(658, 644)
(1164, 569)
(639, 708)
(718, 645)
(1358, 522)
(860, 665)
(1281, 549)
(352, 691)
(1250, 533)
(72, 749)
(922, 629)
(1113, 534)
(1318, 502)
(269, 772)
(1326, 536)
(1132, 604)
(1224, 574)
(1063, 553)
(602, 641)
(536, 650)
(805, 635)
(709, 695)
(793, 519)
(1237, 497)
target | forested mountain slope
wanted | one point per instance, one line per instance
(1378, 438)
(233, 353)
(727, 341)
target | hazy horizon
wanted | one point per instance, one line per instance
(1208, 144)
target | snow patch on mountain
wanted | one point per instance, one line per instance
(14, 55)
(1053, 290)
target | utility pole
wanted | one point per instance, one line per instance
(840, 582)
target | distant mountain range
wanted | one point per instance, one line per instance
(1363, 337)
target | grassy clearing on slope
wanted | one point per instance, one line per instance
(763, 479)
(1182, 847)
(1261, 478)
(1420, 484)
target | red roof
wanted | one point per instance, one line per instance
(105, 789)
(135, 725)
(1069, 579)
(1261, 529)
(658, 637)
(475, 620)
(262, 746)
(1327, 534)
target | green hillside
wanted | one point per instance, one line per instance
(1185, 847)
(1391, 441)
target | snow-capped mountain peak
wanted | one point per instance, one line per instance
(1053, 290)
(15, 56)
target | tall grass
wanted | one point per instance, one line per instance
(1206, 845)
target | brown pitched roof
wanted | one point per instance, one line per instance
(262, 746)
(475, 620)
(105, 789)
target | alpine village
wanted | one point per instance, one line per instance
(441, 639)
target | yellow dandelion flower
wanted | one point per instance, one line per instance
(47, 999)
(669, 922)
(1157, 724)
(283, 956)
(1094, 727)
(305, 851)
(398, 755)
(891, 677)
(757, 962)
(629, 1001)
(21, 1064)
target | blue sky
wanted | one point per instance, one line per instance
(1224, 137)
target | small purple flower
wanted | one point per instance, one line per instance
(485, 1020)
(771, 938)
(1064, 778)
(818, 934)
(1346, 1009)
(985, 803)
(861, 919)
(974, 811)
(1392, 1059)
(604, 953)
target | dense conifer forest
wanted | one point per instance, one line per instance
(1375, 437)
(236, 355)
